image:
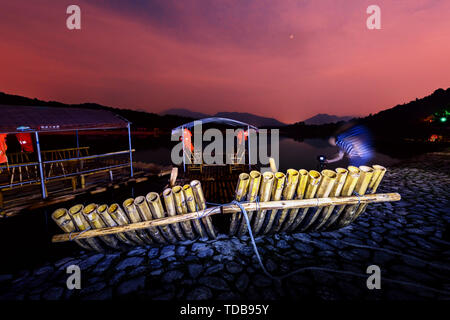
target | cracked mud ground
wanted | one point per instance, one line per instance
(409, 240)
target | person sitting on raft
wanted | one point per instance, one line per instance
(355, 143)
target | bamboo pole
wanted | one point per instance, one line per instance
(378, 174)
(323, 191)
(180, 206)
(192, 207)
(240, 194)
(76, 212)
(301, 188)
(311, 189)
(102, 211)
(201, 204)
(120, 217)
(253, 190)
(265, 193)
(341, 175)
(152, 202)
(277, 192)
(64, 221)
(347, 190)
(231, 208)
(143, 208)
(362, 184)
(90, 212)
(288, 194)
(169, 202)
(134, 216)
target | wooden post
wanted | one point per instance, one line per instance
(38, 150)
(78, 144)
(173, 177)
(83, 181)
(184, 161)
(249, 148)
(131, 151)
(74, 183)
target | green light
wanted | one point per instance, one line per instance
(443, 119)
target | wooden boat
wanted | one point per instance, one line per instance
(295, 201)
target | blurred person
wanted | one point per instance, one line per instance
(355, 143)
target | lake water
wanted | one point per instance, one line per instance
(292, 154)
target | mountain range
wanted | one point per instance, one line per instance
(402, 120)
(323, 118)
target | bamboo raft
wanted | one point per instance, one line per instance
(295, 201)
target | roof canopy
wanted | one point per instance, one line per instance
(225, 121)
(37, 118)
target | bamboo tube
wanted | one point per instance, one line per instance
(325, 187)
(120, 217)
(252, 194)
(192, 207)
(314, 178)
(169, 202)
(362, 184)
(133, 215)
(64, 221)
(82, 225)
(240, 194)
(347, 190)
(102, 211)
(341, 175)
(153, 204)
(288, 194)
(90, 213)
(378, 174)
(277, 193)
(180, 206)
(265, 193)
(231, 208)
(157, 235)
(201, 204)
(301, 188)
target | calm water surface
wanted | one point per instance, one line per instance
(293, 154)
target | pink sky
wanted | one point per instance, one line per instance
(234, 55)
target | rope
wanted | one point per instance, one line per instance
(357, 205)
(280, 278)
(73, 239)
(255, 248)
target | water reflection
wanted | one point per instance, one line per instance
(293, 154)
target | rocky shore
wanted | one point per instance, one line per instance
(409, 240)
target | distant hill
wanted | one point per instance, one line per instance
(409, 119)
(185, 113)
(323, 118)
(250, 118)
(139, 119)
(406, 121)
